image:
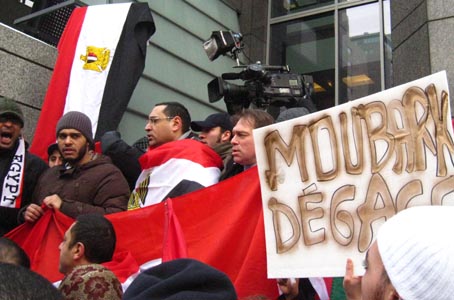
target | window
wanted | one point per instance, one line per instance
(307, 47)
(359, 52)
(284, 7)
(344, 45)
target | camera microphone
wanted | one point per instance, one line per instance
(231, 76)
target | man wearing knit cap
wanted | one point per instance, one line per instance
(411, 259)
(19, 169)
(86, 183)
(181, 279)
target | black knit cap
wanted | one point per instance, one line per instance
(181, 279)
(79, 121)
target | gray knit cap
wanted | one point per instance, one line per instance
(79, 121)
(292, 113)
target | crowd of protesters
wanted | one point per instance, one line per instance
(85, 185)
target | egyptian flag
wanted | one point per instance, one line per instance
(221, 225)
(174, 169)
(101, 57)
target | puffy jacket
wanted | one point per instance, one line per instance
(95, 187)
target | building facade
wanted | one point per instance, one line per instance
(351, 48)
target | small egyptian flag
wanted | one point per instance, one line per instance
(187, 163)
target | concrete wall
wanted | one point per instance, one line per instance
(25, 70)
(253, 19)
(422, 39)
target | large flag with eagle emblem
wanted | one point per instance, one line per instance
(101, 57)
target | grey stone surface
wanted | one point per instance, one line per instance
(407, 27)
(411, 60)
(438, 9)
(257, 46)
(25, 70)
(253, 25)
(31, 119)
(259, 13)
(402, 8)
(421, 38)
(441, 45)
(20, 44)
(22, 80)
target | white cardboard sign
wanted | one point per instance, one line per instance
(331, 178)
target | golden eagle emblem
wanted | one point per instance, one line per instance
(96, 59)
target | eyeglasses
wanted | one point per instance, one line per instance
(153, 121)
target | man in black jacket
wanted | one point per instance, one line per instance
(19, 169)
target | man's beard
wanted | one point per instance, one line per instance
(80, 155)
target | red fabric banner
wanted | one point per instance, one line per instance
(174, 245)
(222, 226)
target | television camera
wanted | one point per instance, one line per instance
(266, 87)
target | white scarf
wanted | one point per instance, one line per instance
(13, 182)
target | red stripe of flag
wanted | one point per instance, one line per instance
(54, 102)
(174, 245)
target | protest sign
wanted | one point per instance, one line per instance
(330, 179)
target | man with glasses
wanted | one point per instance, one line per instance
(19, 169)
(126, 157)
(174, 163)
(167, 122)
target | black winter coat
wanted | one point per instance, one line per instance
(34, 167)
